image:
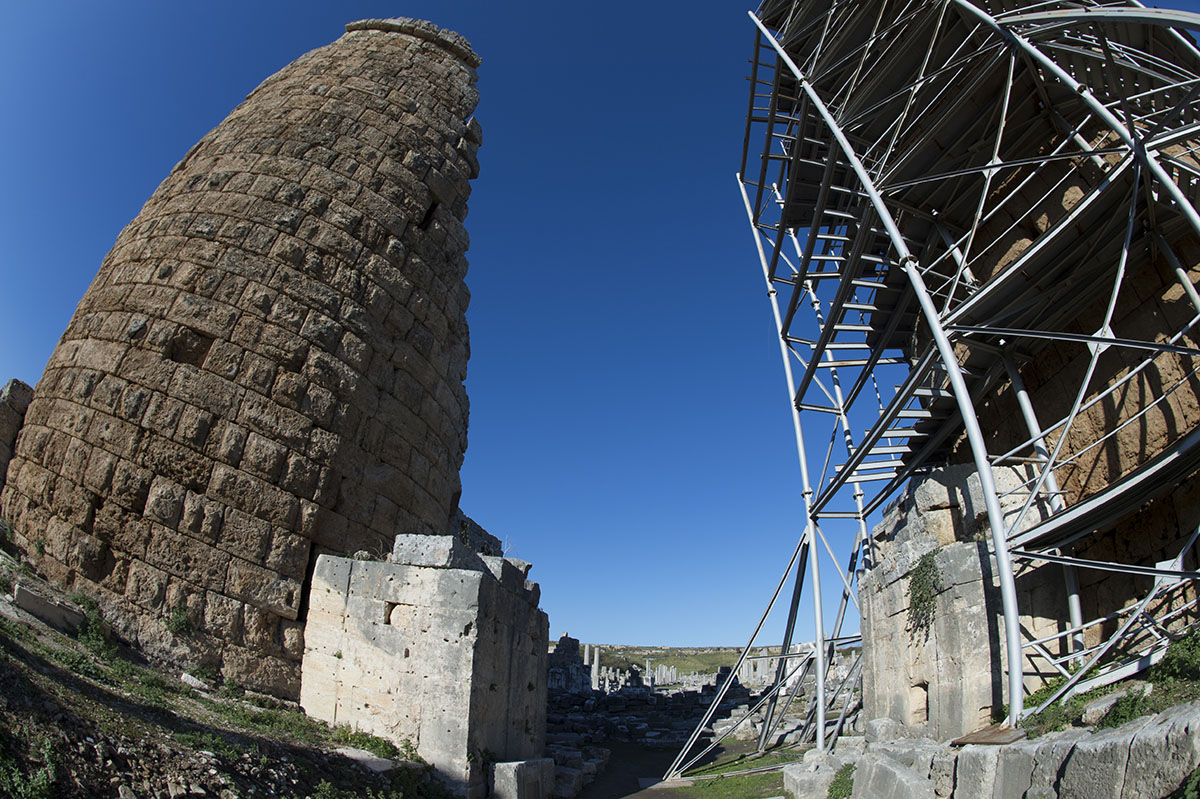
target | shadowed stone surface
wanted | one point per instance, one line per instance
(269, 364)
(14, 401)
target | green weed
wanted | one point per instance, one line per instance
(924, 584)
(1129, 707)
(18, 781)
(179, 622)
(326, 790)
(842, 784)
(208, 742)
(360, 739)
(1182, 661)
(741, 786)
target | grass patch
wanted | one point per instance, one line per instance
(843, 783)
(154, 689)
(276, 719)
(377, 746)
(741, 786)
(1176, 679)
(24, 780)
(209, 742)
(1182, 661)
(747, 761)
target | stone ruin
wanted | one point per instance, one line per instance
(269, 365)
(265, 377)
(439, 646)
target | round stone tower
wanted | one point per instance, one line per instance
(270, 362)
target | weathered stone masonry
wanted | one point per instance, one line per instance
(269, 364)
(440, 647)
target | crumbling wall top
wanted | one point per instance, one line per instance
(422, 29)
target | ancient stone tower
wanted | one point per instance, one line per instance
(270, 362)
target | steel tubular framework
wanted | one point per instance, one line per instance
(949, 201)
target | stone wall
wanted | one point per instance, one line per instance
(566, 670)
(14, 401)
(1152, 304)
(270, 362)
(440, 647)
(1147, 758)
(943, 678)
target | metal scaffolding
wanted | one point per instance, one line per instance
(959, 210)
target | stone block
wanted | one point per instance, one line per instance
(444, 657)
(942, 772)
(523, 779)
(884, 729)
(880, 777)
(568, 782)
(1097, 764)
(56, 614)
(1014, 769)
(975, 772)
(435, 551)
(16, 394)
(1163, 753)
(1048, 759)
(802, 780)
(506, 572)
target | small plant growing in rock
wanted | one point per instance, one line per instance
(1127, 708)
(91, 633)
(179, 622)
(924, 584)
(842, 784)
(207, 672)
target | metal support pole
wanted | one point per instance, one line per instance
(1008, 593)
(789, 629)
(819, 639)
(1074, 609)
(1008, 589)
(806, 485)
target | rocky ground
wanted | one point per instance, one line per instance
(80, 716)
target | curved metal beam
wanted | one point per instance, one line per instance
(1008, 594)
(1150, 16)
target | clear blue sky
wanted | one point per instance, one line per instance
(629, 431)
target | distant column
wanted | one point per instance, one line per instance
(596, 669)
